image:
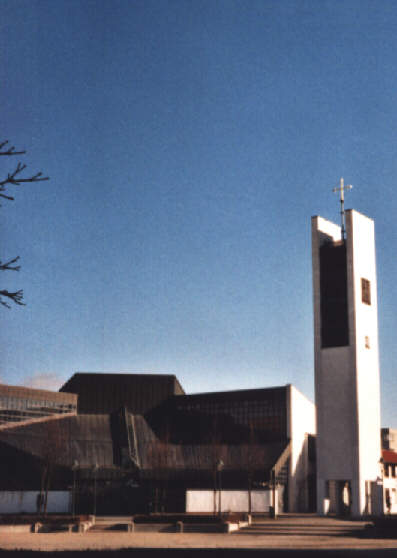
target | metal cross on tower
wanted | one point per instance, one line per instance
(342, 188)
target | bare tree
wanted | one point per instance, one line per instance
(250, 464)
(157, 457)
(13, 178)
(166, 462)
(53, 451)
(214, 457)
(218, 456)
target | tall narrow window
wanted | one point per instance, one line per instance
(333, 296)
(365, 291)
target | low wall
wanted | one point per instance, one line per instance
(231, 501)
(14, 501)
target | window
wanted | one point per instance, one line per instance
(365, 291)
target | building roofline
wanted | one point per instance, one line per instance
(239, 391)
(359, 213)
(123, 374)
(180, 385)
(119, 375)
(301, 393)
(34, 392)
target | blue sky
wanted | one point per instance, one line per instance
(188, 144)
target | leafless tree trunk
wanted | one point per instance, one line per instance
(214, 456)
(159, 462)
(53, 449)
(251, 459)
(165, 448)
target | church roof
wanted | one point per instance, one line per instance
(124, 441)
(86, 439)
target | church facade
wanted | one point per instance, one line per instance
(138, 443)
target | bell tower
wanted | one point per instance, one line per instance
(346, 364)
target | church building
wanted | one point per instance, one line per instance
(131, 443)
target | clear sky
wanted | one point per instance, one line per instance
(188, 144)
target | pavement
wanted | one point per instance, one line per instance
(287, 533)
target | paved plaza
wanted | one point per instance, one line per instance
(288, 532)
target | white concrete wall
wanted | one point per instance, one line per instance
(336, 444)
(332, 380)
(231, 500)
(391, 484)
(26, 501)
(361, 264)
(301, 422)
(347, 378)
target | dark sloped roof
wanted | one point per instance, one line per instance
(156, 454)
(92, 439)
(83, 438)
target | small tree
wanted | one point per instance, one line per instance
(53, 447)
(251, 460)
(166, 463)
(214, 457)
(218, 459)
(13, 178)
(156, 456)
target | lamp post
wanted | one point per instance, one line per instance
(75, 466)
(95, 469)
(273, 485)
(219, 466)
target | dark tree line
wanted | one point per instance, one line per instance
(10, 180)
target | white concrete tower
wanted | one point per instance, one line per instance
(346, 365)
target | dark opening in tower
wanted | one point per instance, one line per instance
(333, 295)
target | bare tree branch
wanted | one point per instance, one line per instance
(16, 297)
(9, 265)
(14, 179)
(9, 150)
